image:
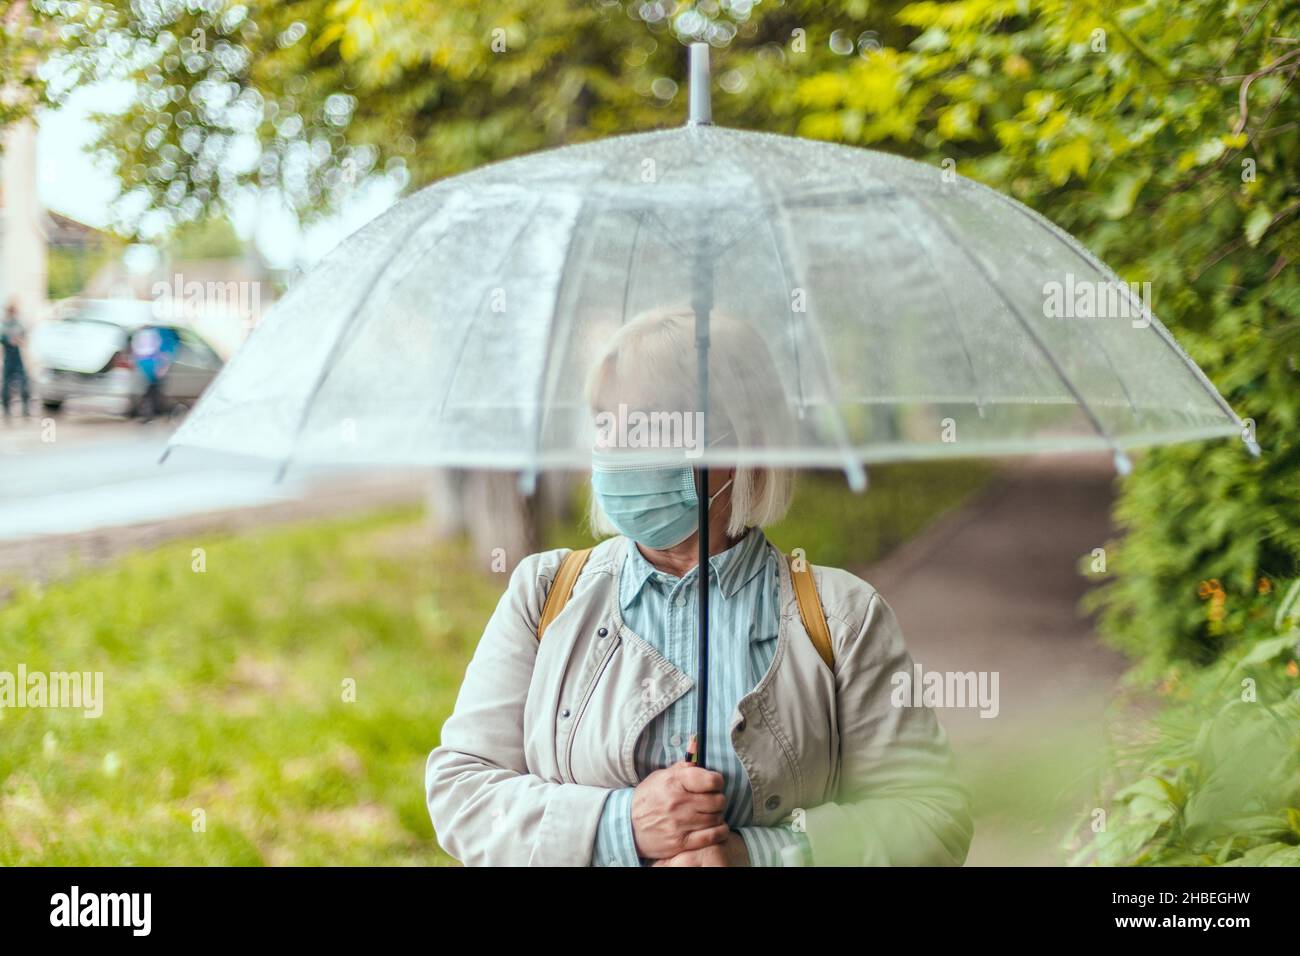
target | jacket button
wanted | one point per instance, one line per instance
(602, 632)
(773, 802)
(565, 713)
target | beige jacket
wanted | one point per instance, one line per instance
(541, 733)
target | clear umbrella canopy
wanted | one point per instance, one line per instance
(862, 308)
(709, 295)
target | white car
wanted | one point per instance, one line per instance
(85, 359)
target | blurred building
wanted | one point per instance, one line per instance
(24, 227)
(40, 250)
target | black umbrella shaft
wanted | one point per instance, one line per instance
(702, 626)
(703, 303)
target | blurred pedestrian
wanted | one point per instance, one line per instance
(155, 350)
(13, 337)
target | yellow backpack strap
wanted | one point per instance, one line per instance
(561, 588)
(810, 610)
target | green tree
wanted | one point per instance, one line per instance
(1169, 145)
(24, 37)
(308, 98)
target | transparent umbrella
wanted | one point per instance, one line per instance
(905, 312)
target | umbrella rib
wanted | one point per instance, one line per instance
(952, 310)
(682, 250)
(667, 235)
(785, 277)
(544, 383)
(854, 471)
(1082, 252)
(336, 348)
(469, 326)
(1020, 208)
(631, 257)
(1034, 336)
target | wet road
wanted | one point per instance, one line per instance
(99, 474)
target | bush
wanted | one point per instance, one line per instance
(1208, 529)
(1217, 782)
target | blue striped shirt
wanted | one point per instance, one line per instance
(744, 617)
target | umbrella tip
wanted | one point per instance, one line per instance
(1123, 464)
(701, 98)
(1252, 446)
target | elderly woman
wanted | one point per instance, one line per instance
(568, 743)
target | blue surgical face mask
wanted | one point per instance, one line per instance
(653, 505)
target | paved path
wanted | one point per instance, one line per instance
(995, 586)
(91, 489)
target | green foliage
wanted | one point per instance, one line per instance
(332, 92)
(1128, 130)
(24, 40)
(839, 528)
(1168, 145)
(1208, 535)
(1216, 779)
(71, 267)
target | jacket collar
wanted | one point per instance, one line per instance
(732, 568)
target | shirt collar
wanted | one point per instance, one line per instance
(636, 572)
(733, 568)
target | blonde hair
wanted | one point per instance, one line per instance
(651, 363)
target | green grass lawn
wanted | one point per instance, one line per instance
(224, 690)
